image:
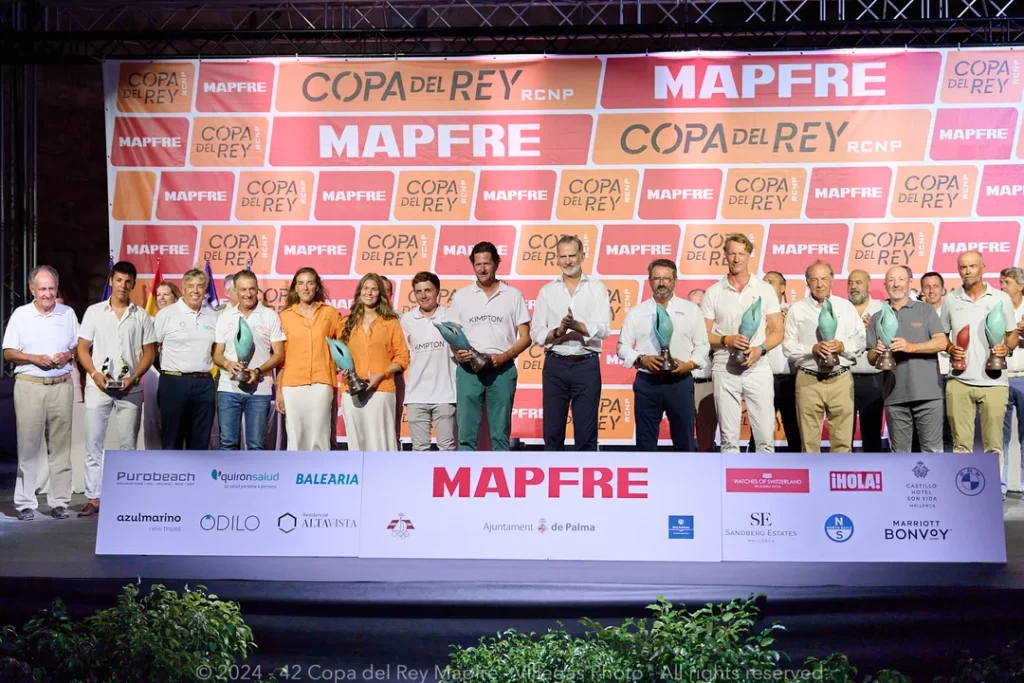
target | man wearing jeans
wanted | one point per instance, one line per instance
(246, 390)
(123, 339)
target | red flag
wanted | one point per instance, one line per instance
(151, 300)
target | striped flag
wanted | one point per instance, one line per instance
(107, 289)
(151, 299)
(211, 288)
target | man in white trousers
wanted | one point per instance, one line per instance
(122, 340)
(741, 369)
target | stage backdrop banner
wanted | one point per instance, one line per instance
(914, 507)
(234, 504)
(518, 506)
(866, 159)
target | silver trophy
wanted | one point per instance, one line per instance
(115, 383)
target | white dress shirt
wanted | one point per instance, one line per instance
(430, 378)
(725, 305)
(689, 335)
(862, 366)
(801, 333)
(266, 329)
(589, 304)
(34, 333)
(186, 337)
(117, 339)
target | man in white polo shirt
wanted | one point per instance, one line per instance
(250, 395)
(494, 317)
(976, 389)
(430, 386)
(741, 368)
(40, 341)
(1011, 281)
(123, 340)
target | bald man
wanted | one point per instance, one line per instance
(868, 397)
(976, 389)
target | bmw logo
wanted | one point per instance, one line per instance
(970, 481)
(839, 528)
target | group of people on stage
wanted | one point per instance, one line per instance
(698, 359)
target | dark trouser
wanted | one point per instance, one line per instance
(657, 396)
(785, 406)
(868, 402)
(186, 411)
(568, 381)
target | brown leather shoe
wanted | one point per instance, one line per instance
(91, 508)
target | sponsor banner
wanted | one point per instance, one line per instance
(524, 140)
(790, 248)
(764, 193)
(338, 292)
(234, 86)
(995, 240)
(133, 196)
(597, 195)
(530, 366)
(425, 196)
(934, 191)
(581, 506)
(729, 137)
(515, 195)
(538, 254)
(876, 247)
(849, 192)
(406, 298)
(451, 85)
(274, 196)
(622, 296)
(263, 504)
(980, 76)
(149, 141)
(394, 250)
(704, 246)
(615, 421)
(231, 248)
(229, 141)
(973, 134)
(355, 195)
(173, 245)
(872, 508)
(457, 241)
(1002, 191)
(530, 290)
(155, 87)
(775, 80)
(680, 194)
(628, 249)
(195, 196)
(325, 248)
(612, 369)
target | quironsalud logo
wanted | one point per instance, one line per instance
(267, 479)
(920, 471)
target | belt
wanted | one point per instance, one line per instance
(1015, 374)
(702, 380)
(823, 376)
(44, 380)
(186, 374)
(575, 358)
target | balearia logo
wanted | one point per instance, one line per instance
(229, 523)
(156, 477)
(149, 519)
(246, 479)
(326, 479)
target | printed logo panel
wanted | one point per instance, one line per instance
(934, 191)
(235, 87)
(538, 254)
(809, 80)
(355, 195)
(792, 246)
(155, 88)
(515, 195)
(338, 292)
(764, 193)
(704, 246)
(879, 246)
(528, 414)
(973, 134)
(727, 137)
(231, 248)
(680, 194)
(622, 296)
(597, 195)
(628, 249)
(406, 297)
(534, 140)
(450, 85)
(174, 246)
(1002, 191)
(232, 141)
(774, 480)
(995, 240)
(191, 195)
(426, 196)
(150, 141)
(274, 196)
(978, 76)
(133, 196)
(530, 366)
(325, 248)
(614, 415)
(394, 249)
(530, 290)
(850, 192)
(457, 241)
(612, 369)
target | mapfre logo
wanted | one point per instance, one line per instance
(355, 195)
(855, 481)
(195, 195)
(627, 249)
(790, 247)
(234, 87)
(149, 141)
(327, 248)
(173, 245)
(749, 480)
(515, 195)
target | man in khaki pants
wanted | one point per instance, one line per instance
(40, 340)
(976, 388)
(822, 391)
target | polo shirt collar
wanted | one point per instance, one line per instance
(961, 293)
(185, 309)
(132, 306)
(418, 314)
(910, 303)
(294, 308)
(725, 282)
(57, 309)
(502, 286)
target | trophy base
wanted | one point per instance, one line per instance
(995, 363)
(885, 361)
(357, 386)
(668, 363)
(241, 378)
(958, 366)
(479, 361)
(115, 385)
(829, 362)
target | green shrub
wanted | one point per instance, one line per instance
(161, 636)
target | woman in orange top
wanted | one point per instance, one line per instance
(306, 384)
(374, 335)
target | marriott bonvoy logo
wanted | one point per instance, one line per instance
(750, 480)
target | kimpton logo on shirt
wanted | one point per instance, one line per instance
(479, 319)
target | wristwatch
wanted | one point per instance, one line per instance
(764, 351)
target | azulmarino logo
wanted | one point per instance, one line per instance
(255, 477)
